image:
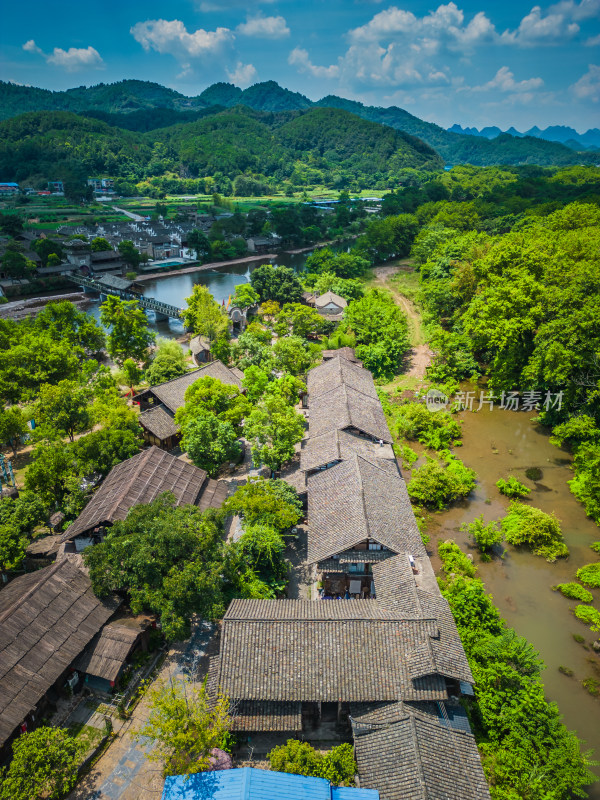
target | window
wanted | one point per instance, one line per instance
(354, 567)
(374, 545)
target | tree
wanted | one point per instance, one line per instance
(245, 296)
(131, 256)
(100, 244)
(129, 336)
(13, 547)
(185, 725)
(44, 766)
(300, 758)
(13, 425)
(210, 442)
(14, 263)
(48, 474)
(294, 355)
(273, 503)
(274, 428)
(276, 283)
(11, 224)
(531, 527)
(342, 265)
(301, 320)
(263, 547)
(436, 485)
(204, 316)
(48, 247)
(64, 322)
(199, 242)
(166, 559)
(255, 382)
(211, 395)
(390, 237)
(486, 536)
(167, 363)
(64, 409)
(99, 451)
(131, 374)
(512, 487)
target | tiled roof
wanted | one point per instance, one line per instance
(266, 715)
(345, 407)
(107, 653)
(420, 758)
(140, 479)
(344, 352)
(359, 499)
(353, 557)
(330, 297)
(339, 371)
(336, 445)
(158, 422)
(46, 620)
(172, 393)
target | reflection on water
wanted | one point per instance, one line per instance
(498, 443)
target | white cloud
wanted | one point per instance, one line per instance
(221, 5)
(539, 28)
(172, 37)
(504, 81)
(300, 58)
(588, 86)
(264, 27)
(242, 75)
(586, 9)
(593, 41)
(73, 59)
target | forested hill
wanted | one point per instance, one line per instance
(327, 143)
(126, 104)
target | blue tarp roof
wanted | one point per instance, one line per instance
(257, 784)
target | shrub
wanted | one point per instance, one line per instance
(534, 473)
(512, 487)
(436, 485)
(595, 547)
(486, 536)
(527, 526)
(300, 758)
(574, 592)
(435, 430)
(589, 615)
(454, 561)
(590, 575)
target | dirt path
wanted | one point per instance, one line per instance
(421, 355)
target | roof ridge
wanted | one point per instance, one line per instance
(143, 457)
(418, 760)
(178, 378)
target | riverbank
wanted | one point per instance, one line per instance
(238, 262)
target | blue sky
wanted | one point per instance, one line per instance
(504, 63)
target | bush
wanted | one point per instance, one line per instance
(595, 547)
(590, 575)
(574, 592)
(512, 487)
(590, 615)
(437, 430)
(454, 561)
(527, 526)
(300, 758)
(437, 485)
(486, 536)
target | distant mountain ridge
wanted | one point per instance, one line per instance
(144, 106)
(554, 133)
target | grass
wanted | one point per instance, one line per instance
(85, 733)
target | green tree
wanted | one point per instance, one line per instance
(274, 428)
(131, 374)
(531, 527)
(131, 256)
(245, 296)
(44, 766)
(51, 467)
(294, 355)
(210, 442)
(185, 725)
(14, 263)
(63, 322)
(210, 395)
(199, 242)
(300, 758)
(280, 284)
(64, 409)
(255, 382)
(13, 425)
(301, 320)
(204, 316)
(272, 503)
(168, 362)
(11, 224)
(129, 335)
(100, 244)
(486, 536)
(166, 559)
(437, 485)
(48, 247)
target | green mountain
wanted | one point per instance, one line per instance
(167, 107)
(332, 146)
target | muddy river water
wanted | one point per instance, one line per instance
(496, 444)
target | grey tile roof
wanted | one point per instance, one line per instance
(266, 715)
(345, 407)
(359, 499)
(419, 758)
(158, 422)
(140, 479)
(344, 352)
(339, 371)
(172, 393)
(352, 557)
(330, 297)
(336, 445)
(46, 620)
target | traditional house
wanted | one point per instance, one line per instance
(159, 403)
(283, 663)
(141, 479)
(331, 305)
(339, 371)
(104, 659)
(359, 514)
(47, 618)
(345, 408)
(342, 352)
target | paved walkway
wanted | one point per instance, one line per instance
(124, 771)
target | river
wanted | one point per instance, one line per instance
(497, 444)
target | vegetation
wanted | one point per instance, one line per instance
(437, 484)
(415, 422)
(184, 726)
(525, 748)
(486, 536)
(527, 526)
(129, 335)
(278, 284)
(300, 758)
(168, 362)
(574, 592)
(590, 575)
(512, 487)
(44, 766)
(589, 615)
